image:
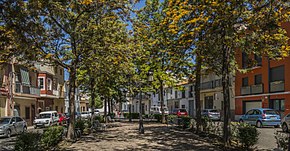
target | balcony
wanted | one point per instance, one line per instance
(245, 90)
(23, 89)
(257, 89)
(277, 86)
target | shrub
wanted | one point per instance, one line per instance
(52, 136)
(186, 121)
(80, 124)
(99, 118)
(28, 142)
(282, 140)
(87, 124)
(170, 118)
(247, 135)
(134, 115)
(112, 115)
(158, 117)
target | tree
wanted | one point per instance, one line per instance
(159, 47)
(229, 27)
(58, 32)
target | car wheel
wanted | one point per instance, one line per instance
(284, 127)
(241, 121)
(8, 133)
(259, 124)
(24, 129)
(35, 127)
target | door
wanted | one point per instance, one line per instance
(208, 102)
(247, 105)
(255, 116)
(247, 117)
(13, 125)
(19, 125)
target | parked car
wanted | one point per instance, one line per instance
(46, 119)
(10, 125)
(286, 123)
(262, 117)
(62, 119)
(77, 115)
(179, 112)
(211, 114)
(157, 110)
(85, 115)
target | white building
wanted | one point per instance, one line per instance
(77, 98)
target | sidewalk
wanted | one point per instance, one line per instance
(157, 137)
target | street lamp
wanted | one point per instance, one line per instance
(141, 127)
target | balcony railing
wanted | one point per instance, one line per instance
(277, 86)
(245, 90)
(257, 89)
(19, 88)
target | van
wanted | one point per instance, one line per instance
(46, 119)
(157, 110)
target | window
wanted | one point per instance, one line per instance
(277, 104)
(183, 93)
(27, 112)
(176, 94)
(56, 108)
(251, 112)
(41, 83)
(258, 79)
(208, 102)
(55, 70)
(245, 82)
(258, 59)
(171, 91)
(60, 71)
(183, 106)
(190, 91)
(49, 84)
(245, 60)
(277, 74)
(18, 119)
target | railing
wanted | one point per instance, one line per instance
(245, 90)
(211, 84)
(277, 86)
(257, 89)
(19, 88)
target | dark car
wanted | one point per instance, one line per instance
(179, 112)
(211, 114)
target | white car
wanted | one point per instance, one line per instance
(46, 119)
(286, 123)
(86, 115)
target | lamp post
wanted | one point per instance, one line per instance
(141, 127)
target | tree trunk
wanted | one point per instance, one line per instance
(92, 84)
(162, 102)
(197, 92)
(105, 110)
(226, 93)
(141, 127)
(72, 87)
(109, 106)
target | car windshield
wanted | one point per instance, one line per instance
(271, 112)
(165, 109)
(45, 115)
(182, 110)
(213, 111)
(4, 120)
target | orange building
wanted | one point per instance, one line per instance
(267, 85)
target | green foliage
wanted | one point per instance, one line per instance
(171, 118)
(158, 117)
(185, 121)
(248, 135)
(134, 115)
(28, 142)
(87, 124)
(112, 115)
(80, 124)
(99, 118)
(282, 140)
(52, 136)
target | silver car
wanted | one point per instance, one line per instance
(286, 123)
(211, 114)
(11, 125)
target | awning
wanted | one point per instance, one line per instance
(25, 77)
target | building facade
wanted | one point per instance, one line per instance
(51, 84)
(266, 85)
